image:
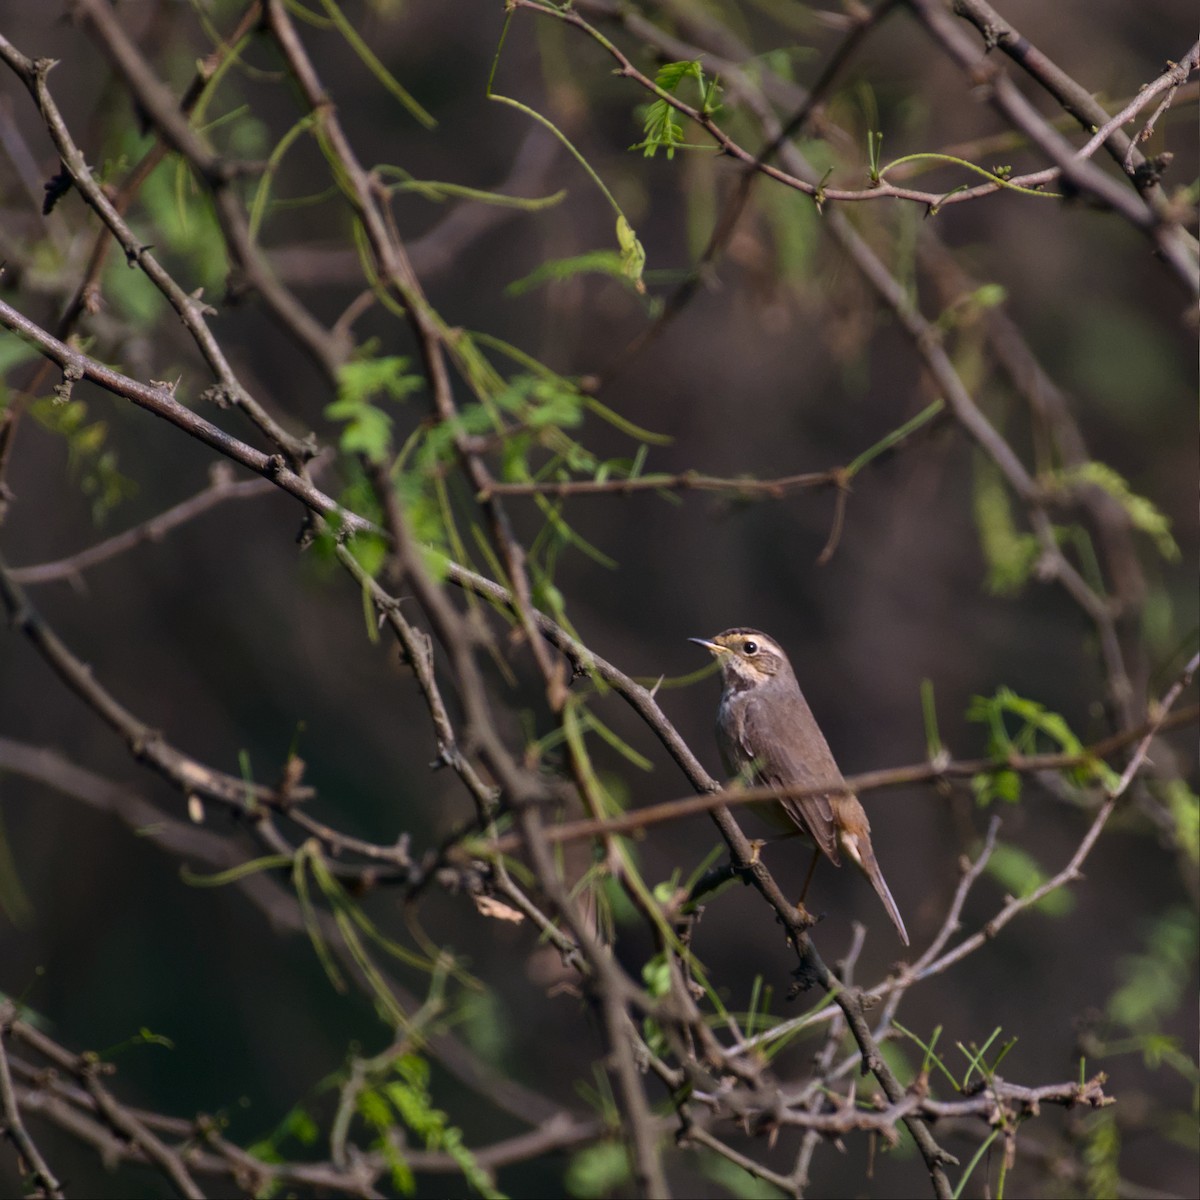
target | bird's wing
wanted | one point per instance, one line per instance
(779, 765)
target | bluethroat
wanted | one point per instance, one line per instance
(768, 736)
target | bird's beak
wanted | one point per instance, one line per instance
(713, 647)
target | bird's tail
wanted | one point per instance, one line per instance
(859, 849)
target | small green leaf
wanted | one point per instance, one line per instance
(1035, 724)
(733, 1179)
(598, 1171)
(1142, 513)
(368, 430)
(1156, 980)
(656, 975)
(1184, 805)
(1010, 554)
(1019, 874)
(633, 255)
(365, 378)
(1101, 1154)
(601, 262)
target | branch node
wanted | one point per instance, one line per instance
(72, 373)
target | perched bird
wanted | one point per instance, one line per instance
(767, 735)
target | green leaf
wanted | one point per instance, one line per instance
(1019, 874)
(435, 191)
(365, 378)
(735, 1180)
(633, 254)
(661, 129)
(597, 262)
(371, 551)
(1001, 784)
(372, 63)
(297, 1124)
(1035, 725)
(182, 223)
(409, 1095)
(1156, 980)
(1101, 1154)
(13, 352)
(656, 975)
(542, 403)
(1185, 811)
(90, 460)
(1010, 554)
(368, 430)
(1143, 514)
(598, 1171)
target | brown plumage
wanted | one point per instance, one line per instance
(767, 735)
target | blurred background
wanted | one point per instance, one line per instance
(240, 646)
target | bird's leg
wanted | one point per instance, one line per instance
(812, 869)
(800, 907)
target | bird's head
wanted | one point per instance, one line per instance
(748, 657)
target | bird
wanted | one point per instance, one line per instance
(768, 735)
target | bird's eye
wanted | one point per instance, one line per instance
(749, 648)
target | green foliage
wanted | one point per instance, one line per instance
(597, 1171)
(368, 429)
(1035, 726)
(1009, 553)
(89, 458)
(632, 256)
(894, 437)
(1184, 806)
(965, 310)
(262, 193)
(357, 496)
(387, 1090)
(1019, 874)
(297, 1125)
(736, 1181)
(874, 150)
(594, 262)
(656, 975)
(998, 175)
(1102, 1156)
(438, 192)
(486, 1024)
(178, 221)
(1143, 514)
(661, 129)
(405, 1096)
(358, 937)
(143, 1037)
(371, 61)
(13, 352)
(794, 223)
(1155, 981)
(758, 1012)
(633, 253)
(935, 748)
(540, 403)
(976, 1057)
(978, 1062)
